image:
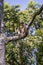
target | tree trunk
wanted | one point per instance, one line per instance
(2, 46)
(2, 51)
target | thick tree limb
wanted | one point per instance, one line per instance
(29, 24)
(14, 38)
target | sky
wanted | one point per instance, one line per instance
(23, 3)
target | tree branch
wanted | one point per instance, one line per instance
(14, 38)
(29, 24)
(35, 14)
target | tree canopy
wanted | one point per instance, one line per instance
(21, 52)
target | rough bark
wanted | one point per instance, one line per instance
(2, 53)
(2, 50)
(2, 46)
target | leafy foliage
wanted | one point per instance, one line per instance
(20, 52)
